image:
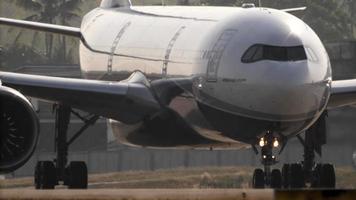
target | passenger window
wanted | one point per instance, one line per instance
(266, 52)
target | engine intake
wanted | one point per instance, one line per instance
(19, 128)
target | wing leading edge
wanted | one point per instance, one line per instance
(127, 102)
(343, 93)
(37, 26)
(292, 10)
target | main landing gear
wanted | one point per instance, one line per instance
(296, 175)
(48, 174)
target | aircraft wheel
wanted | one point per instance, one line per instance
(45, 175)
(296, 176)
(285, 175)
(258, 179)
(324, 176)
(276, 179)
(38, 175)
(317, 173)
(77, 175)
(327, 178)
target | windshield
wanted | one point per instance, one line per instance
(260, 52)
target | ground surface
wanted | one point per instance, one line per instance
(215, 177)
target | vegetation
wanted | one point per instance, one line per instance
(53, 12)
(51, 48)
(18, 55)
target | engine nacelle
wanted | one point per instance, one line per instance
(19, 126)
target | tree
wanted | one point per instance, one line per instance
(52, 12)
(183, 2)
(329, 19)
(351, 7)
(9, 57)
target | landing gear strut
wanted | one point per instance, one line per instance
(297, 175)
(48, 174)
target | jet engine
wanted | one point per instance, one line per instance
(19, 130)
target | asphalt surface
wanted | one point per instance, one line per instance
(139, 194)
(176, 194)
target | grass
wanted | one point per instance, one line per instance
(212, 177)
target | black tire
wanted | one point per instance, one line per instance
(317, 174)
(285, 175)
(45, 175)
(327, 178)
(296, 176)
(258, 181)
(77, 175)
(38, 175)
(276, 179)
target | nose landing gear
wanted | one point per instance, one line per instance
(267, 177)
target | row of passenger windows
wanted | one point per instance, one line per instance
(260, 52)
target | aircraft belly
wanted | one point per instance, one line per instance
(211, 128)
(198, 135)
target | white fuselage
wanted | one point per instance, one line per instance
(207, 44)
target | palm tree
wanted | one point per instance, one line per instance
(52, 12)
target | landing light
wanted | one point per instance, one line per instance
(262, 142)
(275, 143)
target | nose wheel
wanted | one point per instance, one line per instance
(258, 180)
(296, 175)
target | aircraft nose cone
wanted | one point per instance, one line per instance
(273, 92)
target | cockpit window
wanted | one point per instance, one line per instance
(311, 55)
(115, 3)
(260, 52)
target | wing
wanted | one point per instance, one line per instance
(65, 30)
(292, 10)
(343, 93)
(128, 101)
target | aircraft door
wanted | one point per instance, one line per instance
(216, 54)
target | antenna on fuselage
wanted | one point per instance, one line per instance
(163, 3)
(260, 3)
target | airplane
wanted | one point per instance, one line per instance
(183, 77)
